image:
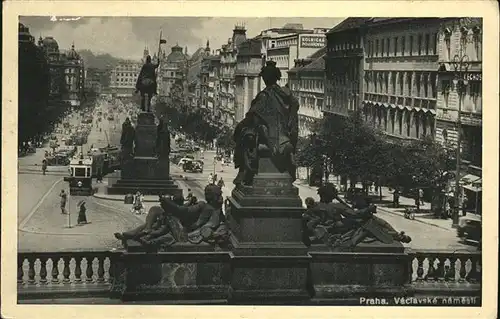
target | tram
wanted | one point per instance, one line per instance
(80, 179)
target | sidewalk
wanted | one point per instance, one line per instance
(385, 205)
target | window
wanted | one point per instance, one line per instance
(419, 44)
(417, 83)
(388, 46)
(401, 83)
(395, 46)
(411, 45)
(433, 85)
(403, 46)
(477, 42)
(427, 43)
(372, 50)
(426, 85)
(475, 88)
(393, 83)
(409, 81)
(383, 47)
(386, 78)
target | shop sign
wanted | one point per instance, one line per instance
(312, 42)
(473, 76)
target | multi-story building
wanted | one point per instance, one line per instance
(123, 78)
(193, 77)
(172, 70)
(306, 81)
(285, 48)
(66, 72)
(228, 61)
(400, 75)
(96, 79)
(344, 67)
(210, 83)
(460, 38)
(247, 80)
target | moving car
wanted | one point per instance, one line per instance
(469, 228)
(193, 166)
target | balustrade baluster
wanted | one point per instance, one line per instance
(440, 268)
(463, 271)
(100, 270)
(451, 273)
(55, 270)
(66, 271)
(78, 269)
(431, 272)
(473, 275)
(20, 270)
(111, 270)
(43, 270)
(89, 272)
(420, 268)
(31, 271)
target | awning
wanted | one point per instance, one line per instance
(471, 182)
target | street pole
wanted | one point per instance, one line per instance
(460, 64)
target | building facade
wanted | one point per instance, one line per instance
(285, 49)
(460, 39)
(123, 78)
(400, 76)
(67, 72)
(228, 62)
(194, 88)
(306, 81)
(210, 73)
(344, 67)
(247, 79)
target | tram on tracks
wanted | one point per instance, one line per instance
(80, 179)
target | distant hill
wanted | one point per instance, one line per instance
(100, 61)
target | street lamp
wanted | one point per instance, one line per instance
(460, 65)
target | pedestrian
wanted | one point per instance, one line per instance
(221, 183)
(99, 176)
(421, 196)
(465, 205)
(82, 216)
(210, 178)
(189, 195)
(64, 199)
(395, 198)
(214, 179)
(44, 166)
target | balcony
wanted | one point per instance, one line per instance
(98, 274)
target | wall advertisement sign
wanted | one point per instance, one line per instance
(312, 42)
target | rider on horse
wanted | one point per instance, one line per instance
(146, 82)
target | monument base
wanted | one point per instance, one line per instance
(185, 272)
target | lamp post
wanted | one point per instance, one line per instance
(460, 65)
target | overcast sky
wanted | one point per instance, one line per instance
(125, 37)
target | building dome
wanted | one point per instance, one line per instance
(50, 44)
(176, 55)
(73, 55)
(24, 34)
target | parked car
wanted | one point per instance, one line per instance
(469, 228)
(184, 159)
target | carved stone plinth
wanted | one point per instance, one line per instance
(270, 261)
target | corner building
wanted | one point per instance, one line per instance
(344, 67)
(400, 76)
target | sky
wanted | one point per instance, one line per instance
(126, 37)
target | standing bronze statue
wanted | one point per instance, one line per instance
(163, 139)
(127, 139)
(269, 129)
(146, 83)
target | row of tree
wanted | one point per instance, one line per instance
(362, 153)
(37, 115)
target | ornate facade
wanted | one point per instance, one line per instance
(460, 39)
(67, 73)
(306, 80)
(123, 78)
(344, 67)
(210, 84)
(400, 75)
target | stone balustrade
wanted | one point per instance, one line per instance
(57, 274)
(90, 273)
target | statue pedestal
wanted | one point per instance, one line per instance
(270, 261)
(145, 172)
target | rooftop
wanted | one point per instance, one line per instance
(349, 23)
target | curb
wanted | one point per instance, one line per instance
(385, 210)
(116, 199)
